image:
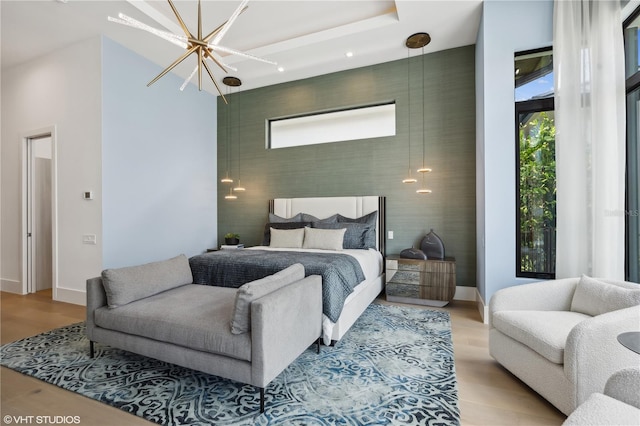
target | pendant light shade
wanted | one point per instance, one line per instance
(230, 195)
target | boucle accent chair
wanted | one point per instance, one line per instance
(618, 405)
(560, 336)
(250, 334)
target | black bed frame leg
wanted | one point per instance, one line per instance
(261, 400)
(318, 346)
(91, 351)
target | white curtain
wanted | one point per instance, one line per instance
(588, 56)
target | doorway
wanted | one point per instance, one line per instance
(39, 242)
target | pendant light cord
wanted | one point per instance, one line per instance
(409, 105)
(228, 147)
(238, 131)
(423, 113)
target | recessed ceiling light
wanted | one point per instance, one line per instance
(281, 69)
(348, 54)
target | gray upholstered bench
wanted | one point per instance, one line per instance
(248, 334)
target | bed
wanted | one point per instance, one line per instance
(352, 277)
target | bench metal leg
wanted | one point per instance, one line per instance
(261, 400)
(91, 351)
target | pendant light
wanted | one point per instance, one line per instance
(230, 195)
(409, 178)
(227, 178)
(236, 82)
(420, 40)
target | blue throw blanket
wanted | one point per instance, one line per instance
(232, 268)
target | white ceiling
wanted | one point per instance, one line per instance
(306, 38)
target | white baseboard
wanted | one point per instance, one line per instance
(482, 308)
(465, 293)
(75, 297)
(11, 286)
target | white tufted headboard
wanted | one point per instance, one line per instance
(322, 207)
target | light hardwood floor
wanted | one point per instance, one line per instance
(488, 394)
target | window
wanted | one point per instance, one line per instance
(332, 126)
(535, 165)
(632, 210)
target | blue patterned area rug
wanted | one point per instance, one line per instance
(395, 366)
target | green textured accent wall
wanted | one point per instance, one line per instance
(363, 167)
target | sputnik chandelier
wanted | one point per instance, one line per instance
(203, 47)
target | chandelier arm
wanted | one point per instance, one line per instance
(200, 60)
(231, 67)
(208, 54)
(214, 32)
(199, 20)
(206, 66)
(180, 21)
(239, 53)
(173, 65)
(133, 23)
(188, 79)
(230, 22)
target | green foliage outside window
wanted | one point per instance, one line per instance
(537, 192)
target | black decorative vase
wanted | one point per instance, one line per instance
(432, 246)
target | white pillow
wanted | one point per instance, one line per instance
(324, 239)
(286, 238)
(594, 297)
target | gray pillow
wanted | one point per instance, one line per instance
(594, 297)
(370, 219)
(323, 239)
(273, 218)
(306, 217)
(286, 238)
(125, 285)
(241, 319)
(266, 239)
(354, 237)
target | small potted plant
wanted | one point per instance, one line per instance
(231, 239)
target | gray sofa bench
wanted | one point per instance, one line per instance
(250, 334)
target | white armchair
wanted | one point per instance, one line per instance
(618, 405)
(559, 336)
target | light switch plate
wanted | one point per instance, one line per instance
(89, 239)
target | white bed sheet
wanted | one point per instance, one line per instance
(370, 261)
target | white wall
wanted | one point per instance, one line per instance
(61, 89)
(151, 150)
(159, 163)
(506, 27)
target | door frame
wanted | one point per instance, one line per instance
(25, 139)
